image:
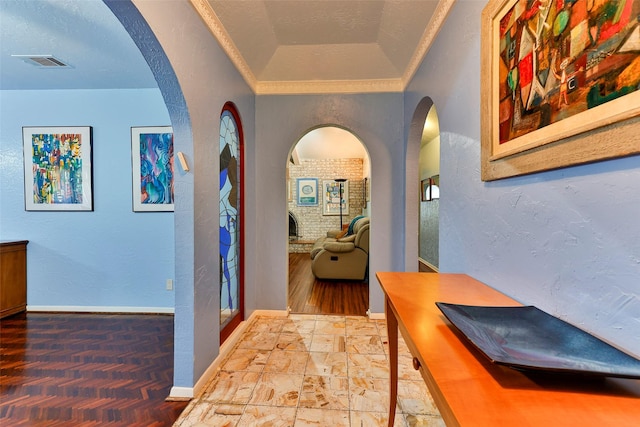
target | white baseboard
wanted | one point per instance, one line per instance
(99, 309)
(179, 393)
(376, 316)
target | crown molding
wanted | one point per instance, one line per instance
(217, 29)
(328, 86)
(203, 8)
(428, 37)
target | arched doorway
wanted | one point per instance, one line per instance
(423, 180)
(328, 181)
(429, 170)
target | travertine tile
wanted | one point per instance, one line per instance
(304, 326)
(331, 318)
(382, 326)
(369, 394)
(360, 326)
(303, 316)
(287, 362)
(232, 387)
(212, 414)
(277, 390)
(324, 392)
(402, 346)
(326, 343)
(296, 371)
(327, 363)
(375, 419)
(259, 340)
(405, 368)
(294, 342)
(368, 365)
(414, 398)
(267, 416)
(246, 360)
(307, 417)
(423, 421)
(336, 326)
(364, 344)
(268, 324)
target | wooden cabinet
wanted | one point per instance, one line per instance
(13, 277)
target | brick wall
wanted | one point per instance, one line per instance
(311, 222)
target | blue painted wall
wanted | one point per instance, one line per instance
(376, 119)
(111, 257)
(196, 78)
(566, 241)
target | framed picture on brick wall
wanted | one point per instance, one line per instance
(332, 200)
(307, 191)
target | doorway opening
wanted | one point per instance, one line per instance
(328, 194)
(429, 202)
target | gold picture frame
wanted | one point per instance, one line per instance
(577, 114)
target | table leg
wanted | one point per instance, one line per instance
(392, 332)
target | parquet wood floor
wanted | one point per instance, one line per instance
(86, 370)
(312, 296)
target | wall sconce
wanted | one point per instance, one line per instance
(183, 161)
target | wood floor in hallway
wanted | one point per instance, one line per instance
(312, 296)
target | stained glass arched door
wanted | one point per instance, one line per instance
(231, 221)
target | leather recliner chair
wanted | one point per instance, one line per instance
(343, 258)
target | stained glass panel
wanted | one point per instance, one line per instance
(229, 218)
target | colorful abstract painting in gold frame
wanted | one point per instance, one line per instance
(554, 73)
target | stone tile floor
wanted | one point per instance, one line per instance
(311, 370)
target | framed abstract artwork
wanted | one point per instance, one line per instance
(57, 168)
(332, 199)
(153, 169)
(560, 84)
(307, 191)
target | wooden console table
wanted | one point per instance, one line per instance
(13, 277)
(467, 388)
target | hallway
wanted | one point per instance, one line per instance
(307, 370)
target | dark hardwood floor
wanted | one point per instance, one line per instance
(86, 370)
(312, 296)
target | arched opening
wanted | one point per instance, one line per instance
(423, 180)
(328, 203)
(429, 172)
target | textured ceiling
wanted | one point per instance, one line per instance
(279, 46)
(317, 46)
(82, 33)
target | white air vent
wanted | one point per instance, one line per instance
(43, 61)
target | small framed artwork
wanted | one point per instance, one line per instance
(152, 166)
(57, 168)
(333, 200)
(559, 83)
(307, 190)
